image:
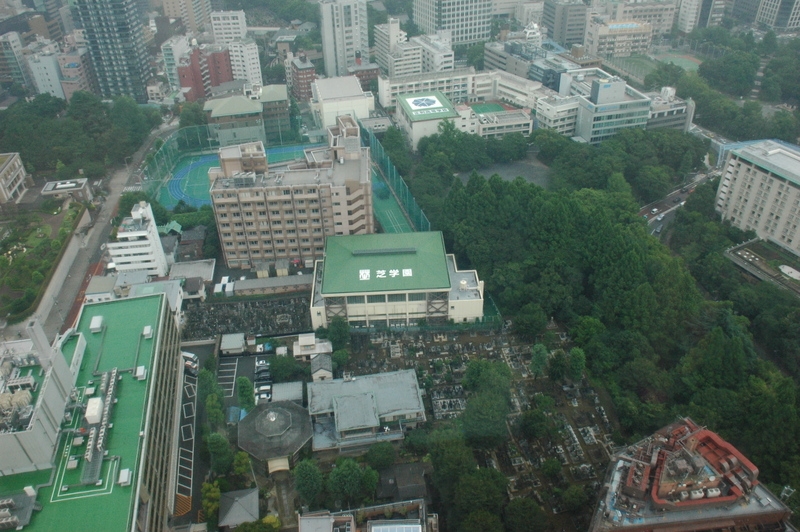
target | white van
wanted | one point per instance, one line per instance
(189, 357)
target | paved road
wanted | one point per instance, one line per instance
(90, 252)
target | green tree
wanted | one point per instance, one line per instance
(308, 480)
(369, 482)
(241, 464)
(451, 459)
(340, 359)
(551, 468)
(481, 521)
(534, 424)
(286, 368)
(487, 375)
(245, 393)
(416, 442)
(192, 115)
(221, 454)
(339, 333)
(524, 515)
(484, 420)
(214, 413)
(380, 455)
(345, 480)
(577, 363)
(575, 498)
(210, 500)
(557, 366)
(484, 489)
(538, 360)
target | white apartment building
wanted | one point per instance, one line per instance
(228, 26)
(173, 49)
(660, 14)
(558, 113)
(760, 191)
(699, 14)
(779, 14)
(437, 51)
(245, 63)
(469, 21)
(343, 25)
(46, 73)
(398, 56)
(138, 246)
(617, 38)
(13, 178)
(193, 13)
(268, 212)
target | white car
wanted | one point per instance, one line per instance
(660, 217)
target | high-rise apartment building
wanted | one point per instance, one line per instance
(779, 14)
(115, 38)
(699, 14)
(469, 21)
(245, 63)
(398, 56)
(760, 191)
(77, 73)
(14, 180)
(46, 74)
(268, 212)
(204, 67)
(301, 73)
(228, 26)
(13, 68)
(343, 25)
(194, 13)
(173, 49)
(565, 20)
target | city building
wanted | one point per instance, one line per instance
(343, 25)
(228, 26)
(77, 189)
(745, 10)
(760, 191)
(308, 347)
(669, 111)
(115, 39)
(357, 412)
(469, 21)
(46, 74)
(77, 73)
(235, 120)
(321, 368)
(527, 12)
(274, 100)
(565, 20)
(202, 68)
(14, 180)
(98, 446)
(393, 280)
(779, 14)
(660, 14)
(606, 105)
(617, 38)
(13, 68)
(173, 49)
(685, 477)
(137, 245)
(267, 212)
(195, 14)
(367, 73)
(699, 14)
(245, 62)
(558, 113)
(333, 97)
(301, 74)
(437, 51)
(275, 433)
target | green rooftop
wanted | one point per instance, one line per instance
(385, 263)
(423, 106)
(66, 504)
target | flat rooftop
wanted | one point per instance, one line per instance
(422, 106)
(67, 505)
(385, 263)
(780, 158)
(338, 88)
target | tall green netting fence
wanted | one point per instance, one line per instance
(194, 140)
(395, 181)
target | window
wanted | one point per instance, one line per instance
(397, 298)
(376, 298)
(417, 297)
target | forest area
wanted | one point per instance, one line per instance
(668, 331)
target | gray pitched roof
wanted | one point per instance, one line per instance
(237, 507)
(321, 362)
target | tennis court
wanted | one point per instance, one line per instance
(189, 181)
(686, 62)
(481, 108)
(387, 211)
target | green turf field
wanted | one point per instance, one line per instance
(481, 108)
(685, 62)
(387, 211)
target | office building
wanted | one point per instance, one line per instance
(285, 211)
(469, 21)
(195, 14)
(137, 245)
(228, 26)
(343, 25)
(301, 74)
(760, 191)
(245, 63)
(685, 477)
(779, 14)
(617, 38)
(565, 21)
(399, 56)
(558, 113)
(105, 405)
(699, 14)
(77, 73)
(660, 14)
(393, 280)
(116, 43)
(46, 74)
(667, 111)
(14, 180)
(173, 49)
(357, 412)
(13, 67)
(333, 97)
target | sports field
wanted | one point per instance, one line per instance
(189, 181)
(387, 211)
(481, 108)
(686, 62)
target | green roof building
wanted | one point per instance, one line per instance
(115, 461)
(420, 114)
(393, 280)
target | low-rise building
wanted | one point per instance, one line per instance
(137, 245)
(623, 38)
(660, 14)
(667, 111)
(393, 280)
(308, 347)
(333, 97)
(235, 120)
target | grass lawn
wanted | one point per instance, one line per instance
(37, 235)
